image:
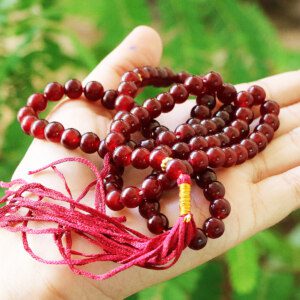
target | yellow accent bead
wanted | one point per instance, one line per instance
(164, 163)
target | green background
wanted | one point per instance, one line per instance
(46, 40)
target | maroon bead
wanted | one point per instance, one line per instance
(227, 93)
(220, 208)
(148, 144)
(113, 201)
(220, 123)
(209, 125)
(89, 142)
(242, 127)
(207, 100)
(184, 132)
(198, 241)
(212, 81)
(165, 148)
(132, 76)
(73, 88)
(156, 157)
(200, 130)
(142, 114)
(244, 114)
(140, 158)
(37, 101)
(165, 181)
(213, 228)
(113, 140)
(143, 72)
(213, 141)
(109, 187)
(270, 119)
(71, 138)
(223, 138)
(267, 130)
(193, 121)
(120, 114)
(127, 88)
(24, 112)
(258, 94)
(158, 223)
(216, 157)
(251, 147)
(54, 91)
(102, 150)
(194, 85)
(115, 179)
(260, 140)
(120, 126)
(242, 153)
(153, 106)
(109, 98)
(223, 115)
(244, 99)
(131, 197)
(179, 93)
(157, 130)
(166, 138)
(200, 112)
(204, 178)
(54, 131)
(132, 121)
(228, 108)
(167, 102)
(151, 189)
(149, 209)
(175, 168)
(198, 143)
(270, 107)
(232, 132)
(93, 90)
(230, 157)
(182, 76)
(122, 155)
(37, 129)
(214, 190)
(198, 160)
(181, 150)
(124, 102)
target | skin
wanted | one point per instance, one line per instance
(261, 191)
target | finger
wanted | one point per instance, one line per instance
(283, 88)
(281, 155)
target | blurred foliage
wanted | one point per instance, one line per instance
(43, 40)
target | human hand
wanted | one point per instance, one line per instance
(261, 191)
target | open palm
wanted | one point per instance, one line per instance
(262, 191)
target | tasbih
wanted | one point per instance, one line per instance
(221, 132)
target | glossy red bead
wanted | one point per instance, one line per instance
(153, 106)
(113, 201)
(230, 157)
(251, 147)
(227, 93)
(132, 121)
(115, 179)
(167, 102)
(213, 228)
(223, 138)
(37, 101)
(184, 132)
(212, 81)
(122, 155)
(258, 94)
(156, 157)
(93, 90)
(204, 178)
(127, 88)
(73, 89)
(147, 131)
(166, 138)
(142, 114)
(223, 115)
(207, 100)
(198, 143)
(182, 76)
(89, 142)
(102, 150)
(175, 168)
(166, 182)
(270, 119)
(210, 125)
(220, 208)
(149, 209)
(109, 98)
(24, 112)
(37, 129)
(113, 140)
(151, 189)
(158, 223)
(214, 190)
(266, 129)
(148, 144)
(120, 126)
(200, 130)
(232, 133)
(260, 140)
(179, 93)
(71, 138)
(132, 76)
(270, 107)
(54, 131)
(244, 114)
(220, 123)
(242, 153)
(140, 158)
(199, 240)
(54, 91)
(244, 99)
(242, 127)
(194, 85)
(216, 157)
(181, 150)
(124, 102)
(198, 160)
(200, 112)
(131, 197)
(213, 141)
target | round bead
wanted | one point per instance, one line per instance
(227, 93)
(223, 115)
(102, 150)
(153, 106)
(71, 138)
(109, 98)
(198, 241)
(166, 138)
(127, 88)
(132, 121)
(260, 140)
(124, 102)
(109, 187)
(148, 144)
(230, 157)
(122, 155)
(113, 201)
(140, 158)
(244, 99)
(156, 157)
(206, 177)
(113, 140)
(258, 94)
(165, 181)
(212, 81)
(149, 209)
(267, 130)
(198, 143)
(142, 114)
(220, 208)
(251, 147)
(223, 138)
(270, 119)
(213, 228)
(175, 168)
(37, 101)
(182, 76)
(184, 132)
(89, 142)
(37, 129)
(242, 127)
(115, 179)
(157, 130)
(193, 121)
(179, 93)
(270, 107)
(54, 91)
(131, 197)
(54, 131)
(207, 100)
(242, 153)
(158, 223)
(214, 190)
(220, 123)
(216, 157)
(200, 112)
(73, 89)
(167, 102)
(24, 112)
(194, 85)
(209, 125)
(232, 133)
(198, 160)
(244, 114)
(181, 150)
(213, 141)
(120, 126)
(93, 91)
(200, 129)
(132, 76)
(228, 108)
(151, 189)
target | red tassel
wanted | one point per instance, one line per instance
(115, 241)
